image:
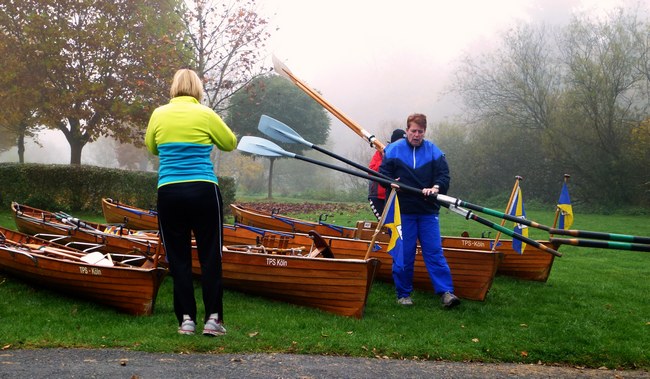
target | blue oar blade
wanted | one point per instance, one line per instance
(260, 146)
(280, 131)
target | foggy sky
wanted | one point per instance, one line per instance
(376, 60)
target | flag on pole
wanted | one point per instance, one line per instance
(517, 210)
(393, 222)
(565, 219)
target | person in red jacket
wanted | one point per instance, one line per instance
(377, 193)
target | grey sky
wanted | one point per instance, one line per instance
(376, 60)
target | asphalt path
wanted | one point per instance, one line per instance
(112, 363)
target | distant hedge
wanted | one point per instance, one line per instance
(81, 188)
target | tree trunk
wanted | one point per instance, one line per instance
(76, 139)
(75, 151)
(20, 143)
(270, 189)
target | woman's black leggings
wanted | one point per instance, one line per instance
(186, 209)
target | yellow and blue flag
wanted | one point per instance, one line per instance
(393, 222)
(565, 219)
(517, 209)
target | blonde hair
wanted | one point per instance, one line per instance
(186, 83)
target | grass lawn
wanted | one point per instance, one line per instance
(594, 311)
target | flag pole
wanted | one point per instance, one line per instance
(503, 221)
(381, 222)
(557, 209)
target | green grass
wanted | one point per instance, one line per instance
(594, 311)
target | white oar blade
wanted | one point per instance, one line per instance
(279, 131)
(260, 146)
(281, 68)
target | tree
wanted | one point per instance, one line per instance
(107, 63)
(21, 78)
(605, 101)
(518, 84)
(227, 40)
(585, 96)
(278, 98)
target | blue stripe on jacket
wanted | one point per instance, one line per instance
(185, 162)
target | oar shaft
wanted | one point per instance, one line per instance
(377, 179)
(491, 212)
(351, 163)
(601, 236)
(374, 142)
(602, 244)
(471, 216)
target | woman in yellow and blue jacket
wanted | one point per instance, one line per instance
(183, 133)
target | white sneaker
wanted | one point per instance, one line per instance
(405, 301)
(214, 327)
(187, 326)
(449, 300)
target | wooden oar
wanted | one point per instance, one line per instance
(284, 71)
(260, 146)
(53, 250)
(577, 233)
(602, 244)
(283, 133)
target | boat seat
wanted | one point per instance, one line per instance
(320, 246)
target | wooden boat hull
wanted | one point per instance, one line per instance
(130, 217)
(131, 290)
(247, 216)
(339, 286)
(472, 270)
(533, 265)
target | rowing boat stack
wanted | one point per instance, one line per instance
(62, 227)
(472, 269)
(293, 275)
(534, 264)
(130, 287)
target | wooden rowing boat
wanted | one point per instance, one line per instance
(473, 269)
(65, 228)
(534, 265)
(276, 221)
(131, 217)
(339, 286)
(127, 287)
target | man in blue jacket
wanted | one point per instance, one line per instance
(419, 163)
